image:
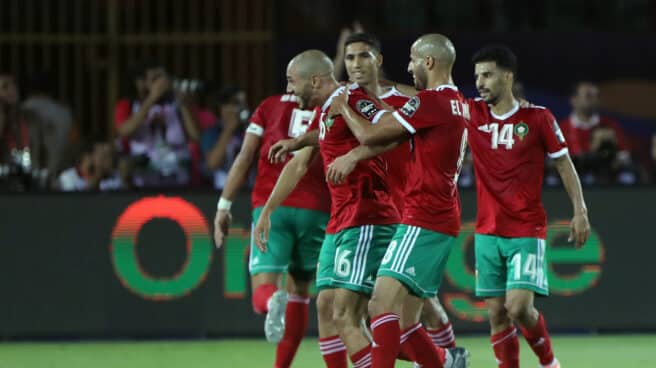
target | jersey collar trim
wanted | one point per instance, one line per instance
(326, 104)
(508, 114)
(391, 92)
(443, 86)
(581, 124)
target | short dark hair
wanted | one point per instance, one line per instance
(500, 54)
(363, 37)
(574, 89)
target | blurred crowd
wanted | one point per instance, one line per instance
(185, 133)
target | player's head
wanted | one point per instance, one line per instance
(307, 73)
(8, 89)
(495, 67)
(585, 98)
(362, 58)
(431, 54)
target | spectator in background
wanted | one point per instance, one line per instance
(597, 143)
(15, 138)
(51, 122)
(96, 170)
(221, 143)
(157, 129)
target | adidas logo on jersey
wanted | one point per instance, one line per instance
(410, 271)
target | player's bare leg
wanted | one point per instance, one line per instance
(332, 348)
(348, 309)
(437, 324)
(503, 333)
(288, 316)
(519, 304)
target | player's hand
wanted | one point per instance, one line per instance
(279, 151)
(261, 231)
(339, 103)
(524, 102)
(222, 221)
(159, 87)
(579, 229)
(340, 168)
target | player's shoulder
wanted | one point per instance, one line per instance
(284, 99)
(533, 111)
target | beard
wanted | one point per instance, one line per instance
(420, 79)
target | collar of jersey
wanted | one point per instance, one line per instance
(392, 92)
(443, 86)
(326, 104)
(578, 123)
(508, 114)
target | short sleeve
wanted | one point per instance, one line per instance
(552, 137)
(421, 111)
(258, 120)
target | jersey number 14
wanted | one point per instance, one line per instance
(503, 137)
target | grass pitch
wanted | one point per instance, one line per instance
(607, 351)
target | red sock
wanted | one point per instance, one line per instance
(420, 347)
(333, 352)
(387, 340)
(539, 340)
(296, 319)
(444, 336)
(362, 359)
(261, 296)
(506, 348)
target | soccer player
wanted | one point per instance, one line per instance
(363, 61)
(509, 144)
(298, 226)
(431, 215)
(362, 208)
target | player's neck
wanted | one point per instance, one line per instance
(373, 88)
(504, 105)
(437, 80)
(583, 116)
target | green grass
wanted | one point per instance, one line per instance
(608, 351)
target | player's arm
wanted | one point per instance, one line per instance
(279, 150)
(580, 228)
(291, 174)
(343, 165)
(385, 130)
(236, 177)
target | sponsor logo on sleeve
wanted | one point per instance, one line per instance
(559, 133)
(410, 107)
(367, 108)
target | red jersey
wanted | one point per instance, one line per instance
(436, 118)
(364, 199)
(509, 153)
(279, 117)
(399, 157)
(579, 133)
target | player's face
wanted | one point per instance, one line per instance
(362, 63)
(299, 87)
(417, 69)
(491, 82)
(8, 90)
(587, 98)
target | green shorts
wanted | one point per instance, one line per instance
(417, 258)
(509, 263)
(359, 253)
(294, 241)
(326, 265)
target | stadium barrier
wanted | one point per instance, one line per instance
(138, 265)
